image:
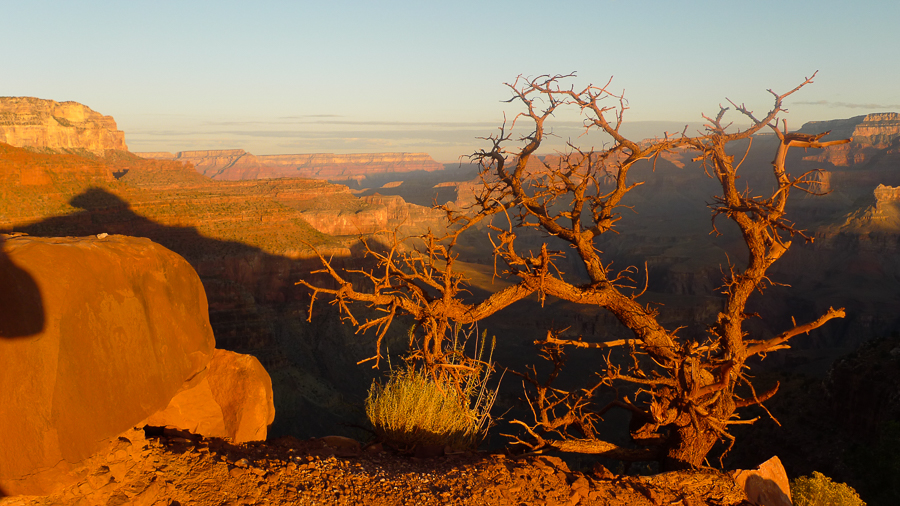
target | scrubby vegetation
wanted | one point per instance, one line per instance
(416, 408)
(818, 490)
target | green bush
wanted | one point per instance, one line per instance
(446, 407)
(819, 490)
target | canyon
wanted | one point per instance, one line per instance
(237, 164)
(251, 232)
(249, 241)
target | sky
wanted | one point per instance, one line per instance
(279, 77)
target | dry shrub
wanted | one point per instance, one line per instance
(447, 407)
(818, 490)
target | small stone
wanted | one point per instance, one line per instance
(243, 463)
(575, 499)
(582, 486)
(98, 480)
(602, 472)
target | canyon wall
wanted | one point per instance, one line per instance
(237, 164)
(870, 134)
(37, 123)
(350, 166)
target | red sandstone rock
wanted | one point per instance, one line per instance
(232, 398)
(115, 327)
(767, 485)
(34, 122)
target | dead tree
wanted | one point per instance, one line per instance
(688, 390)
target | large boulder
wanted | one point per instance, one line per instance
(232, 398)
(96, 334)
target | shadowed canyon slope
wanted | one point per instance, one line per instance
(27, 121)
(249, 241)
(237, 164)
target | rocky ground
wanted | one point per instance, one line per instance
(175, 469)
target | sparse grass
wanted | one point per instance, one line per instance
(417, 408)
(818, 490)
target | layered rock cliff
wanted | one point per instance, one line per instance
(871, 135)
(350, 166)
(38, 123)
(237, 164)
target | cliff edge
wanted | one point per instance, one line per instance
(59, 126)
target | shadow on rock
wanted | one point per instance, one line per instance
(21, 305)
(254, 309)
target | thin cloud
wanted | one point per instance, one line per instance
(848, 105)
(301, 116)
(296, 120)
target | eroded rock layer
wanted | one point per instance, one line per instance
(237, 164)
(871, 135)
(38, 123)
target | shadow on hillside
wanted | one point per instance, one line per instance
(21, 304)
(255, 309)
(105, 212)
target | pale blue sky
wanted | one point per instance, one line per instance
(351, 76)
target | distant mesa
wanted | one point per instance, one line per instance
(30, 122)
(878, 129)
(237, 164)
(870, 134)
(157, 155)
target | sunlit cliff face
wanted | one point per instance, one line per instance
(33, 122)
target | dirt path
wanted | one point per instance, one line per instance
(182, 470)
